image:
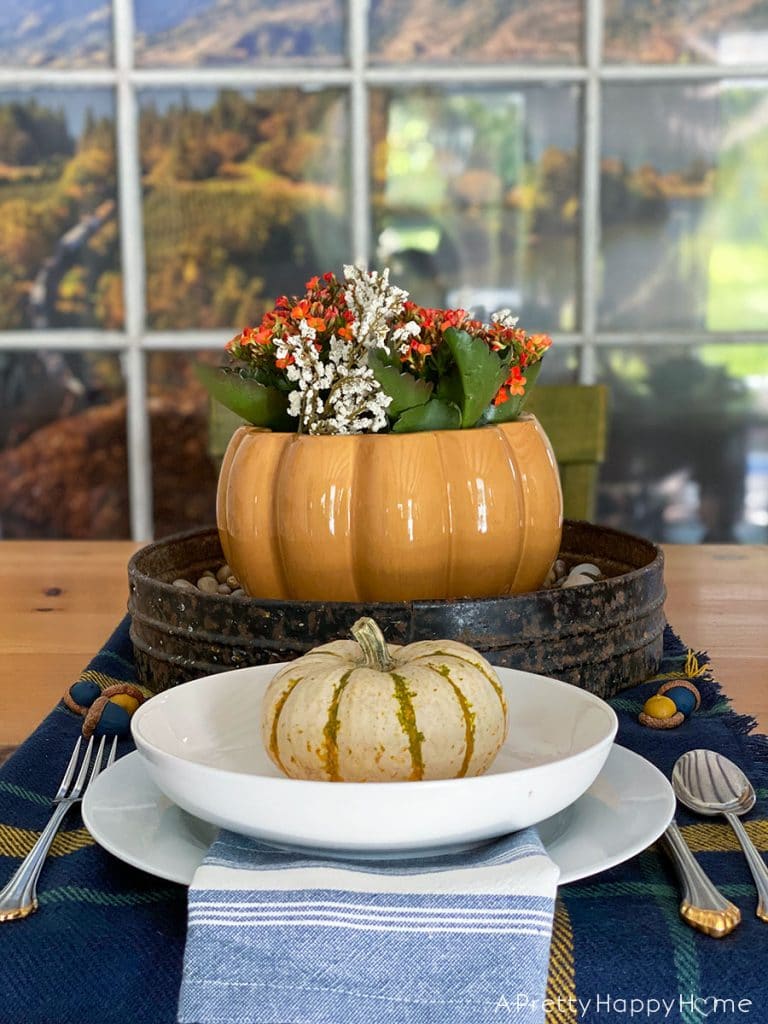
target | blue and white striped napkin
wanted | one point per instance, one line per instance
(279, 937)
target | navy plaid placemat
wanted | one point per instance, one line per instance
(106, 946)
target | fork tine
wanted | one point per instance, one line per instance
(78, 786)
(97, 765)
(68, 772)
(97, 761)
(112, 753)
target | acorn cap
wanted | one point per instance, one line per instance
(661, 723)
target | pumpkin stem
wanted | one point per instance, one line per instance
(372, 644)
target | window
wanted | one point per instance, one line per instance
(167, 170)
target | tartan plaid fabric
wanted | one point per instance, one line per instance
(106, 946)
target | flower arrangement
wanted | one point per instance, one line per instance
(357, 356)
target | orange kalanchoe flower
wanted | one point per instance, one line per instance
(515, 381)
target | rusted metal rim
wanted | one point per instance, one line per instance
(576, 537)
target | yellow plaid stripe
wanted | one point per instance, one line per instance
(561, 983)
(90, 676)
(718, 837)
(17, 842)
(102, 680)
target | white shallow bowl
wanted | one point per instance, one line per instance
(201, 743)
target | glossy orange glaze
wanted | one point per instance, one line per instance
(390, 517)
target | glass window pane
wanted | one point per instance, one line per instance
(476, 197)
(560, 365)
(683, 202)
(63, 463)
(184, 468)
(484, 31)
(59, 34)
(59, 245)
(686, 31)
(211, 33)
(245, 197)
(688, 443)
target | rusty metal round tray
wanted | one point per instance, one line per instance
(603, 636)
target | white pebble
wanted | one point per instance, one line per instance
(224, 589)
(222, 573)
(238, 593)
(208, 584)
(576, 580)
(184, 585)
(233, 582)
(586, 569)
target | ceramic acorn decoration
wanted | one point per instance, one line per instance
(107, 711)
(674, 701)
(367, 712)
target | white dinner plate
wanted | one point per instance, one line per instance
(625, 809)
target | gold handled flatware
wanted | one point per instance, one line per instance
(710, 784)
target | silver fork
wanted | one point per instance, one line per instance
(19, 898)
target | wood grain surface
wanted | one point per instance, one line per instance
(59, 601)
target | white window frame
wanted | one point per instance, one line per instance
(135, 340)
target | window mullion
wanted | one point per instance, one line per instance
(360, 184)
(590, 213)
(132, 259)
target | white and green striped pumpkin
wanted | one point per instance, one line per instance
(367, 712)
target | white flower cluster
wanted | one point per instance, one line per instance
(402, 336)
(504, 318)
(340, 395)
(375, 303)
(355, 403)
(307, 370)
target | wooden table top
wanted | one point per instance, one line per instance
(59, 601)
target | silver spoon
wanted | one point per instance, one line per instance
(708, 783)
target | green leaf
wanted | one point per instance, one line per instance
(435, 415)
(406, 391)
(441, 358)
(476, 376)
(262, 406)
(511, 409)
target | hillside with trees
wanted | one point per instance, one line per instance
(243, 199)
(54, 191)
